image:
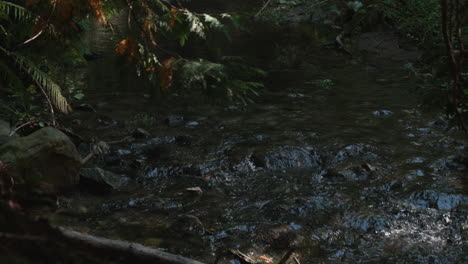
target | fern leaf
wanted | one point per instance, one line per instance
(19, 12)
(42, 79)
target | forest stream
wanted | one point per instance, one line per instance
(335, 159)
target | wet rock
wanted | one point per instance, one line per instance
(286, 157)
(260, 138)
(279, 236)
(434, 199)
(84, 108)
(189, 224)
(413, 174)
(369, 223)
(46, 156)
(357, 173)
(123, 152)
(296, 95)
(416, 160)
(102, 179)
(451, 163)
(424, 131)
(174, 120)
(159, 140)
(105, 122)
(77, 122)
(192, 124)
(355, 151)
(141, 133)
(382, 113)
(194, 190)
(5, 131)
(440, 123)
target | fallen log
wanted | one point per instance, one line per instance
(135, 249)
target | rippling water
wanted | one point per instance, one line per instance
(351, 173)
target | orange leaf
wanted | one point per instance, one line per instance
(128, 48)
(174, 12)
(122, 47)
(165, 74)
(98, 11)
(266, 259)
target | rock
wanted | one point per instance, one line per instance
(192, 123)
(295, 95)
(416, 160)
(189, 224)
(174, 120)
(447, 164)
(141, 133)
(286, 157)
(357, 173)
(5, 131)
(355, 151)
(47, 156)
(84, 108)
(279, 236)
(77, 122)
(440, 123)
(102, 179)
(382, 113)
(194, 190)
(123, 152)
(434, 199)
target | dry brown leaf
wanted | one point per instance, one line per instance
(165, 74)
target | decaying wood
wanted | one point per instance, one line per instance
(137, 250)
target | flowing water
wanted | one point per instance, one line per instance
(352, 172)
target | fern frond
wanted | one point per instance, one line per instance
(19, 12)
(196, 25)
(42, 79)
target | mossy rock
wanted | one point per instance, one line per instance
(47, 156)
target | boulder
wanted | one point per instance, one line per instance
(47, 156)
(103, 179)
(5, 131)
